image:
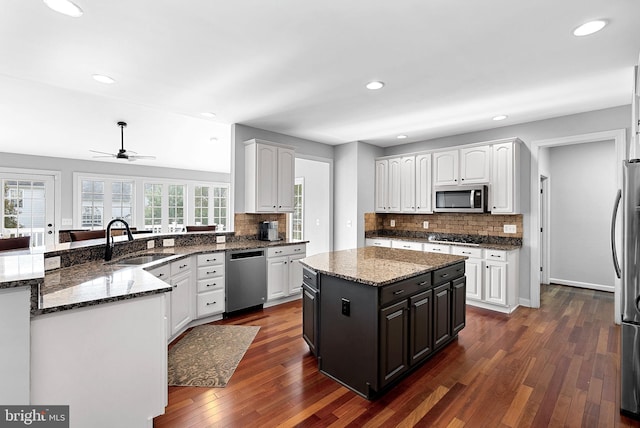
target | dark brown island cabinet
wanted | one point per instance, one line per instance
(369, 337)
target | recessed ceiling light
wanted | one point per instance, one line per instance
(375, 85)
(65, 7)
(208, 114)
(213, 139)
(401, 137)
(589, 28)
(500, 117)
(103, 79)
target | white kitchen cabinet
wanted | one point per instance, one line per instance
(15, 306)
(284, 272)
(423, 188)
(406, 245)
(408, 184)
(445, 168)
(210, 284)
(475, 165)
(473, 269)
(376, 242)
(505, 179)
(182, 295)
(388, 179)
(269, 177)
(495, 283)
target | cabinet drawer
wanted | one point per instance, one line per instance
(310, 278)
(210, 303)
(467, 251)
(179, 266)
(448, 273)
(496, 255)
(370, 242)
(407, 245)
(210, 271)
(437, 248)
(403, 289)
(210, 284)
(288, 250)
(211, 259)
(161, 272)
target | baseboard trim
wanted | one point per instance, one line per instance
(588, 285)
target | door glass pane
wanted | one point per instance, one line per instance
(24, 210)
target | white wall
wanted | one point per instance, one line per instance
(317, 204)
(582, 185)
(345, 213)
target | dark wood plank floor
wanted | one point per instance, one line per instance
(554, 366)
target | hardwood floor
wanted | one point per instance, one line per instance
(553, 366)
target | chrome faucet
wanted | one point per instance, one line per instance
(108, 251)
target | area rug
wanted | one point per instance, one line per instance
(209, 354)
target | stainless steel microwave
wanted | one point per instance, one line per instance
(460, 199)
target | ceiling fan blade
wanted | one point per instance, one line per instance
(103, 157)
(134, 157)
(102, 153)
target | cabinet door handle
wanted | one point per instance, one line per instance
(175, 286)
(397, 293)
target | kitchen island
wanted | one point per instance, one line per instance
(372, 315)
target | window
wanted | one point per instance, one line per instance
(161, 205)
(297, 218)
(201, 205)
(153, 207)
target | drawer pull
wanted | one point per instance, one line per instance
(211, 303)
(306, 276)
(466, 252)
(298, 249)
(444, 275)
(397, 293)
(212, 272)
(212, 260)
(211, 285)
(494, 255)
(423, 283)
(160, 275)
(277, 252)
(182, 266)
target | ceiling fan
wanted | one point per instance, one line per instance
(122, 153)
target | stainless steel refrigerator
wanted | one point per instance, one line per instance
(628, 204)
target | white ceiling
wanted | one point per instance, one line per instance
(299, 68)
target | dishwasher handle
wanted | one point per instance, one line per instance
(246, 255)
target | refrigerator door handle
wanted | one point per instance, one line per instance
(616, 207)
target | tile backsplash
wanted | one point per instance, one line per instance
(246, 225)
(444, 223)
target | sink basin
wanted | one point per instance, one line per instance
(143, 259)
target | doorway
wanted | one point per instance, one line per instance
(537, 156)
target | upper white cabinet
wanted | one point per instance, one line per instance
(403, 185)
(504, 199)
(423, 183)
(469, 165)
(269, 177)
(388, 185)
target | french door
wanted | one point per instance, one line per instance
(28, 207)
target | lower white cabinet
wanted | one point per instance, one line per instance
(15, 307)
(182, 308)
(473, 269)
(284, 271)
(210, 297)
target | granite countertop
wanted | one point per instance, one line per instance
(487, 246)
(378, 266)
(97, 282)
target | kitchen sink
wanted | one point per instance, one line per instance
(143, 259)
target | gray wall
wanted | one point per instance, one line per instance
(582, 183)
(345, 213)
(67, 167)
(242, 133)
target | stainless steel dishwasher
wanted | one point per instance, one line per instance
(246, 284)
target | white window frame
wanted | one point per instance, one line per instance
(138, 192)
(108, 198)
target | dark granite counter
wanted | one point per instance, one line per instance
(96, 282)
(378, 266)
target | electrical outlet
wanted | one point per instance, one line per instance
(221, 239)
(52, 263)
(393, 223)
(509, 228)
(425, 225)
(168, 242)
(151, 244)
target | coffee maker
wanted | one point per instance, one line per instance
(268, 231)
